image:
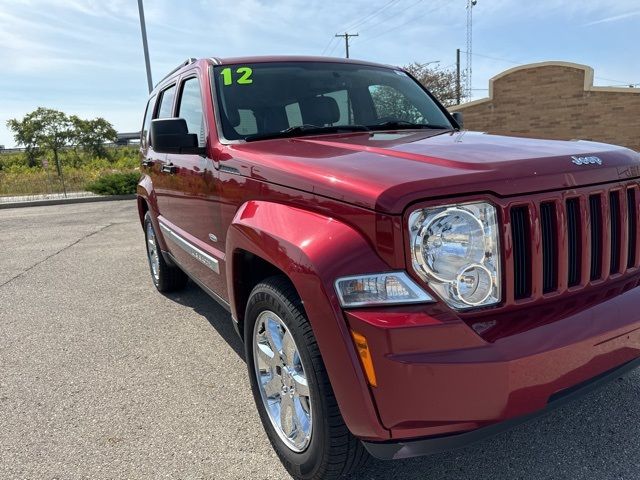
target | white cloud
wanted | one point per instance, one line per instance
(614, 18)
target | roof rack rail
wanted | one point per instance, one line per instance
(188, 61)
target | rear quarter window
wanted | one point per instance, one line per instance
(166, 102)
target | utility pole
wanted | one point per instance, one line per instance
(346, 40)
(457, 76)
(145, 46)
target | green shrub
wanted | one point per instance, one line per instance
(121, 183)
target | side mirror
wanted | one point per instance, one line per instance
(457, 116)
(171, 135)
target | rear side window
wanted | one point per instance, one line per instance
(191, 108)
(148, 114)
(166, 102)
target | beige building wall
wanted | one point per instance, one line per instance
(556, 100)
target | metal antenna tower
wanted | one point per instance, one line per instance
(467, 73)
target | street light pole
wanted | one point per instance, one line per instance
(145, 46)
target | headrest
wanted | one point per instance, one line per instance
(319, 110)
(233, 115)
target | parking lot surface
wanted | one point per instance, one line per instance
(101, 377)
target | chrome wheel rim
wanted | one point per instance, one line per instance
(152, 252)
(282, 381)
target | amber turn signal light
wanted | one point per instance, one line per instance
(365, 357)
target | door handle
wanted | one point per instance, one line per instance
(147, 163)
(169, 168)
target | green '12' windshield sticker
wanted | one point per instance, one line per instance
(242, 77)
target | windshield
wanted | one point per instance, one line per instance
(267, 100)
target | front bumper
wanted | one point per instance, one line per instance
(438, 378)
(412, 448)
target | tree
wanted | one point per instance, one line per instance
(439, 81)
(43, 129)
(391, 104)
(91, 135)
(24, 133)
(50, 130)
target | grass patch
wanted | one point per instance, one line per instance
(79, 171)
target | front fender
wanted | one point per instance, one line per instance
(313, 250)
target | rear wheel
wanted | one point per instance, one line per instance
(291, 388)
(166, 278)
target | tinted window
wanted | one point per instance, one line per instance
(281, 95)
(148, 114)
(191, 108)
(166, 103)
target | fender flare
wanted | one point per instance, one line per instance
(313, 250)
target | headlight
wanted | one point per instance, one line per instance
(455, 250)
(379, 289)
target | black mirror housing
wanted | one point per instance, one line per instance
(457, 116)
(171, 135)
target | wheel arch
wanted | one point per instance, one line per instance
(311, 250)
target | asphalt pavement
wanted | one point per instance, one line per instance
(101, 377)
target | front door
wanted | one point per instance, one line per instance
(192, 181)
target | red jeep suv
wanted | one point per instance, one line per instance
(402, 286)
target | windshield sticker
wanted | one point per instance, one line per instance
(243, 76)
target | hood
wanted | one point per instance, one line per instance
(386, 171)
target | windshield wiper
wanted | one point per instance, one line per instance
(403, 124)
(306, 129)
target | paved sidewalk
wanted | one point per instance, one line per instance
(58, 199)
(48, 196)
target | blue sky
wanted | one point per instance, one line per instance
(85, 56)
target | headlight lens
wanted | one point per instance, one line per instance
(455, 250)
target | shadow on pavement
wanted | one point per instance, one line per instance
(195, 298)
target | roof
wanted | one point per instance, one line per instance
(262, 59)
(294, 58)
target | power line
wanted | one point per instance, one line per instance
(412, 19)
(383, 20)
(331, 40)
(372, 15)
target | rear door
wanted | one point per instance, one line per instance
(193, 182)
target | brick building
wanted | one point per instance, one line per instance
(556, 100)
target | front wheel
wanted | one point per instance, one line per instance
(291, 388)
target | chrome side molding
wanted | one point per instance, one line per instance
(191, 249)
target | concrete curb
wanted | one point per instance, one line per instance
(65, 201)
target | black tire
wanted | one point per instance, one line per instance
(169, 278)
(333, 451)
